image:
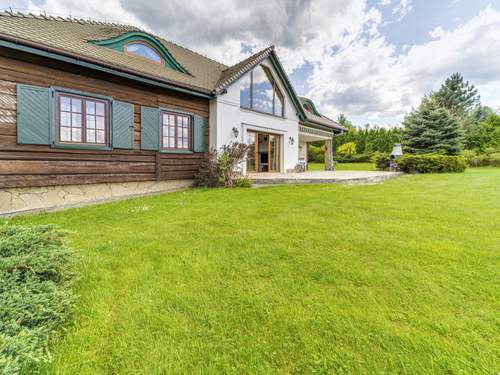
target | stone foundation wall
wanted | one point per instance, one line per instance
(16, 200)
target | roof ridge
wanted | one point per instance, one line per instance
(250, 56)
(253, 60)
(80, 20)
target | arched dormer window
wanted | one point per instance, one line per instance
(143, 50)
(143, 45)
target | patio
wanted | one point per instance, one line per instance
(322, 177)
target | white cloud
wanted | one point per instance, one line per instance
(437, 33)
(370, 80)
(355, 70)
(402, 9)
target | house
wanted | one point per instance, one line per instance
(92, 110)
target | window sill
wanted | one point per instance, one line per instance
(165, 151)
(263, 113)
(81, 147)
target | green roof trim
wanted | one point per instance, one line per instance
(118, 44)
(310, 103)
(287, 84)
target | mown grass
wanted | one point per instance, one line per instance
(399, 277)
(313, 166)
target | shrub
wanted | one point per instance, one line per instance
(431, 163)
(220, 168)
(316, 153)
(35, 295)
(356, 158)
(208, 173)
(488, 159)
(242, 182)
(382, 161)
(347, 149)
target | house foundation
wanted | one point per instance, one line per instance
(18, 200)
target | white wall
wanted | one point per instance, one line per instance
(303, 150)
(226, 113)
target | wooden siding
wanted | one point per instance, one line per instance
(30, 165)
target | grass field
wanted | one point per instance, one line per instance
(313, 166)
(399, 277)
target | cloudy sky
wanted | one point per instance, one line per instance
(369, 59)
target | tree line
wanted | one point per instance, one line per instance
(449, 121)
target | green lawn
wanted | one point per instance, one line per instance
(398, 277)
(313, 166)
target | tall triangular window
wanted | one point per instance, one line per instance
(259, 91)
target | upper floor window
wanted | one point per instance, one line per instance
(81, 120)
(259, 91)
(175, 131)
(142, 49)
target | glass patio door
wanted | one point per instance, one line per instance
(264, 151)
(252, 153)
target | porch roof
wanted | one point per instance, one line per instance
(310, 134)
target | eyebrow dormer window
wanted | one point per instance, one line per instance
(143, 50)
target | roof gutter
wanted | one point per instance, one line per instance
(8, 41)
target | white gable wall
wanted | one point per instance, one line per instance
(226, 113)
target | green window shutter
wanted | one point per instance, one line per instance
(33, 115)
(199, 126)
(150, 128)
(123, 125)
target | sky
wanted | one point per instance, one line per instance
(371, 60)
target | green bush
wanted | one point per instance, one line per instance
(35, 295)
(488, 159)
(356, 158)
(347, 149)
(243, 182)
(431, 163)
(316, 153)
(382, 161)
(220, 168)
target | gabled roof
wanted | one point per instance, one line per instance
(74, 37)
(234, 72)
(315, 117)
(87, 43)
(310, 117)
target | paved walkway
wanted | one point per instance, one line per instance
(322, 177)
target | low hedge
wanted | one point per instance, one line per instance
(35, 294)
(474, 159)
(431, 163)
(356, 158)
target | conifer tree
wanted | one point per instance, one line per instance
(431, 128)
(457, 96)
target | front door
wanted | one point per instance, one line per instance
(263, 155)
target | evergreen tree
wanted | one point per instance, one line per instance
(457, 96)
(431, 128)
(343, 121)
(486, 134)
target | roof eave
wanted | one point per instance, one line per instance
(27, 46)
(316, 125)
(270, 52)
(246, 68)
